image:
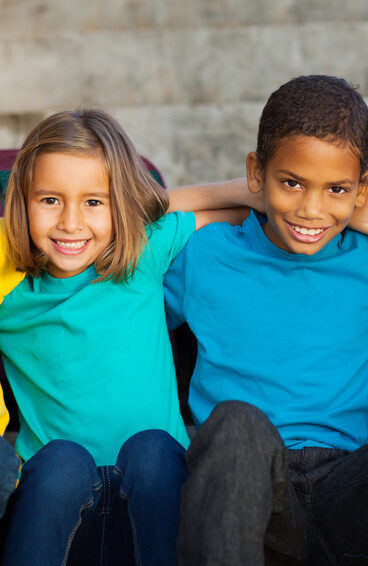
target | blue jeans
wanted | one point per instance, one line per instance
(9, 467)
(67, 511)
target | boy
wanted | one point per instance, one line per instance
(279, 307)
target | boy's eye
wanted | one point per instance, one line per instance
(50, 200)
(337, 190)
(292, 183)
(93, 202)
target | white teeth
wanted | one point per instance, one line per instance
(72, 245)
(309, 232)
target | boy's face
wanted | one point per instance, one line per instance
(310, 189)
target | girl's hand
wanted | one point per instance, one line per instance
(359, 218)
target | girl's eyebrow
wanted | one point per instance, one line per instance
(302, 180)
(87, 194)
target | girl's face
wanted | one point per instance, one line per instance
(69, 211)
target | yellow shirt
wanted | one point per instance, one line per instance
(9, 278)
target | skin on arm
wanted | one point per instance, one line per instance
(225, 201)
(359, 219)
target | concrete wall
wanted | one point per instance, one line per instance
(187, 78)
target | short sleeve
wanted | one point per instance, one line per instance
(9, 276)
(167, 237)
(4, 415)
(174, 289)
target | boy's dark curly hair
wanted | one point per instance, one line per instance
(316, 105)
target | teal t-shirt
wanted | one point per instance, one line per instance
(92, 362)
(285, 332)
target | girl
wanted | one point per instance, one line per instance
(86, 348)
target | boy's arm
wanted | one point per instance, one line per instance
(225, 201)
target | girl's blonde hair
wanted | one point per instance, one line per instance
(136, 198)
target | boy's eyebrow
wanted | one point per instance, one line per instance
(301, 179)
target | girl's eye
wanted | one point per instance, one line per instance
(292, 184)
(93, 202)
(337, 190)
(50, 200)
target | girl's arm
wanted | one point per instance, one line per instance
(212, 196)
(226, 201)
(233, 216)
(359, 219)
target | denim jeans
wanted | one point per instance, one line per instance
(250, 501)
(9, 467)
(68, 512)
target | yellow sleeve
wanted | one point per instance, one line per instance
(9, 277)
(4, 415)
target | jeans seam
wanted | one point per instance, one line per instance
(118, 472)
(106, 483)
(125, 496)
(345, 486)
(76, 527)
(313, 540)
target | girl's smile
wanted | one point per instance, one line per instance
(69, 211)
(70, 247)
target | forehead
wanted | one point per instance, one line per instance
(65, 169)
(311, 157)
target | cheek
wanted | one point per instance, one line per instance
(36, 221)
(343, 210)
(276, 202)
(105, 230)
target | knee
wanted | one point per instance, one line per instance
(152, 458)
(240, 418)
(59, 470)
(234, 427)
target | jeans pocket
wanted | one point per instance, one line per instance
(354, 560)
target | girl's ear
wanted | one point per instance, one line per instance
(254, 173)
(362, 193)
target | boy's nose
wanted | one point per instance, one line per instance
(311, 206)
(70, 219)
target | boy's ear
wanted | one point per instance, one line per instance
(254, 173)
(362, 193)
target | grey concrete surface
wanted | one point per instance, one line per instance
(188, 79)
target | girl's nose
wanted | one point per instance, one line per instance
(71, 219)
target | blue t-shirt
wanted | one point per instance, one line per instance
(92, 362)
(287, 333)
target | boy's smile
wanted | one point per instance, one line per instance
(69, 211)
(310, 188)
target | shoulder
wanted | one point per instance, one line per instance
(170, 224)
(165, 239)
(9, 276)
(352, 240)
(216, 234)
(170, 232)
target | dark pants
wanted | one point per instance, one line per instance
(68, 512)
(9, 467)
(249, 501)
